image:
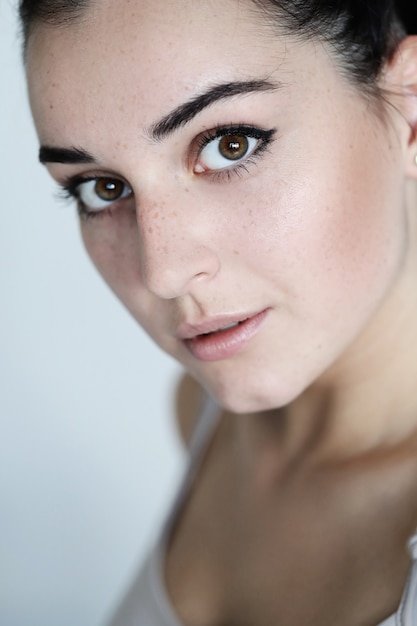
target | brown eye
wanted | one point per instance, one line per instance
(233, 147)
(222, 152)
(109, 189)
(99, 193)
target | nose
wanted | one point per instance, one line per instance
(175, 252)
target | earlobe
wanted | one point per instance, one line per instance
(401, 81)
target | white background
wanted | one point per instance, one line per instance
(89, 454)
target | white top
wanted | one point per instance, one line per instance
(147, 602)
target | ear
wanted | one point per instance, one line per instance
(400, 80)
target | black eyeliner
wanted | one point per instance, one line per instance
(236, 129)
(69, 186)
(265, 137)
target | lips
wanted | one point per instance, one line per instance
(221, 338)
(214, 325)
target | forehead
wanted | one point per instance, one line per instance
(126, 22)
(145, 53)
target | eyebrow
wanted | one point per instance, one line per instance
(171, 122)
(49, 154)
(183, 114)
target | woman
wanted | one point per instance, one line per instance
(246, 177)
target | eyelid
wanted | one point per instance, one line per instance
(222, 130)
(69, 184)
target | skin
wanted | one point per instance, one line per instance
(320, 231)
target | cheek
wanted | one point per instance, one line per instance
(360, 240)
(113, 246)
(332, 236)
(112, 243)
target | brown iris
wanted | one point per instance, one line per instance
(109, 189)
(233, 147)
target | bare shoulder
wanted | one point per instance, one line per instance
(189, 400)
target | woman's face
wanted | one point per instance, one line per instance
(229, 175)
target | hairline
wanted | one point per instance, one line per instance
(60, 17)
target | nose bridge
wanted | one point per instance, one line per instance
(174, 249)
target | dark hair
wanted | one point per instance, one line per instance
(363, 33)
(53, 12)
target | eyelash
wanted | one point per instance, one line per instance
(265, 138)
(69, 189)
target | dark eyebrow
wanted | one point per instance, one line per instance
(49, 154)
(186, 112)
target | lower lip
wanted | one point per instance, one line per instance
(225, 343)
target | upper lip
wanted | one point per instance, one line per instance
(212, 324)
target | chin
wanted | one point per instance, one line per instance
(253, 396)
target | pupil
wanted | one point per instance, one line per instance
(108, 189)
(233, 147)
